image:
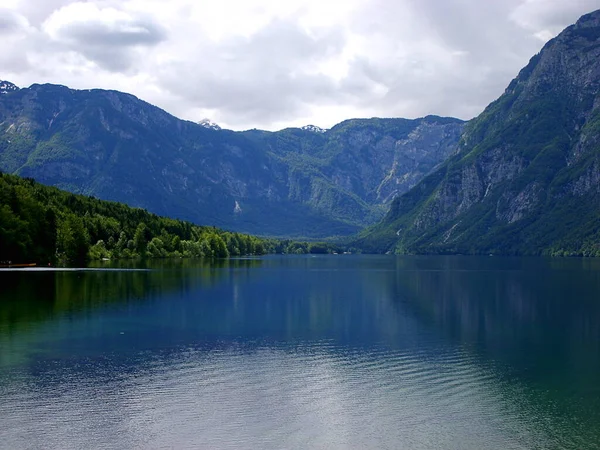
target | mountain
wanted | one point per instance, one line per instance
(207, 123)
(7, 87)
(526, 179)
(356, 168)
(295, 182)
(314, 128)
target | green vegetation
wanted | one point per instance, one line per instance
(560, 214)
(356, 151)
(526, 178)
(293, 184)
(44, 225)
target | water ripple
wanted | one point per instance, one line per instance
(319, 396)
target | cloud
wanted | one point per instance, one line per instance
(267, 64)
(431, 57)
(271, 73)
(12, 22)
(104, 35)
(15, 32)
(548, 17)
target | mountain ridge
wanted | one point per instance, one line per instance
(293, 182)
(526, 179)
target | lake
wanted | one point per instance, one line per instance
(340, 351)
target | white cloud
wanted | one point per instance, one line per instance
(104, 35)
(544, 19)
(272, 63)
(271, 73)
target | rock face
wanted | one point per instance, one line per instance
(355, 169)
(296, 182)
(6, 87)
(526, 179)
(207, 123)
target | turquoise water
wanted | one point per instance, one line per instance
(303, 352)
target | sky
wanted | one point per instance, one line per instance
(271, 64)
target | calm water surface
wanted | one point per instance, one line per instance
(304, 352)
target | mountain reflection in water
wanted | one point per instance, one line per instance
(332, 351)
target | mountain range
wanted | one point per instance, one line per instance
(526, 177)
(521, 178)
(297, 182)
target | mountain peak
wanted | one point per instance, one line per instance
(207, 123)
(527, 165)
(314, 129)
(590, 20)
(7, 86)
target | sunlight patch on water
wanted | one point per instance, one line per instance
(318, 395)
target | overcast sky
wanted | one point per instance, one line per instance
(276, 63)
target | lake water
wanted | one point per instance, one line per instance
(304, 352)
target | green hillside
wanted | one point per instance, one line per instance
(297, 182)
(41, 224)
(527, 177)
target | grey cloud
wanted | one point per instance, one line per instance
(113, 60)
(111, 45)
(418, 89)
(258, 79)
(138, 32)
(16, 36)
(16, 61)
(553, 14)
(467, 23)
(11, 22)
(478, 47)
(489, 50)
(37, 11)
(447, 57)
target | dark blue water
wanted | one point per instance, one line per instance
(304, 352)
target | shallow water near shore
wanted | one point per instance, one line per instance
(341, 351)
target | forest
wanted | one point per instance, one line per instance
(45, 225)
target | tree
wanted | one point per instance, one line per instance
(72, 239)
(98, 250)
(13, 236)
(176, 244)
(217, 246)
(156, 248)
(140, 240)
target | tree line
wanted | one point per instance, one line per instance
(45, 225)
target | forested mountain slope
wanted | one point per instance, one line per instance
(295, 182)
(41, 224)
(527, 177)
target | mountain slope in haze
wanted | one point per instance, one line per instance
(527, 177)
(296, 182)
(355, 169)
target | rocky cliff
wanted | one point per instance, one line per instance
(526, 179)
(296, 182)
